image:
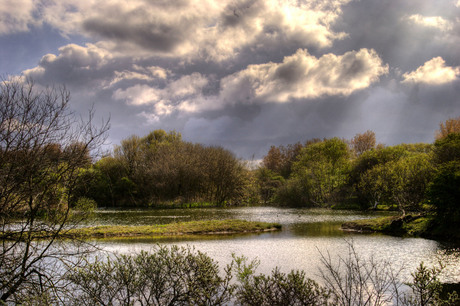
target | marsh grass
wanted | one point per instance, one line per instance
(174, 229)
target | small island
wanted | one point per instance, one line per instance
(192, 228)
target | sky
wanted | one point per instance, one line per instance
(245, 75)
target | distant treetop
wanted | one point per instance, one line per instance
(451, 125)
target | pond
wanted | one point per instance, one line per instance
(306, 234)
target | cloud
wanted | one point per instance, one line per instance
(139, 74)
(213, 30)
(75, 66)
(190, 29)
(433, 22)
(175, 96)
(303, 76)
(299, 76)
(433, 72)
(16, 16)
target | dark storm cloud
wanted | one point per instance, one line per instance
(386, 26)
(272, 124)
(148, 35)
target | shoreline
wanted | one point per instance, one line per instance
(411, 225)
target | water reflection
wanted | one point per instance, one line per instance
(305, 234)
(267, 214)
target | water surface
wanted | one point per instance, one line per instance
(306, 234)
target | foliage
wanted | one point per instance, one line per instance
(426, 288)
(375, 186)
(447, 149)
(160, 168)
(444, 193)
(322, 169)
(392, 175)
(43, 146)
(403, 182)
(444, 190)
(278, 288)
(183, 276)
(363, 142)
(451, 125)
(383, 155)
(167, 276)
(268, 182)
(326, 173)
(411, 177)
(280, 159)
(292, 194)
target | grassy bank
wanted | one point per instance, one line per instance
(174, 229)
(410, 225)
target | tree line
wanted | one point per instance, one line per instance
(161, 168)
(361, 173)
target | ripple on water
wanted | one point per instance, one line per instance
(306, 233)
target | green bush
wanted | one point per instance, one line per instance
(276, 289)
(168, 276)
(182, 276)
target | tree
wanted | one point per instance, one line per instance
(280, 159)
(268, 182)
(402, 182)
(375, 186)
(447, 149)
(451, 125)
(353, 280)
(226, 176)
(161, 168)
(444, 191)
(272, 161)
(373, 172)
(129, 153)
(322, 169)
(411, 177)
(42, 147)
(444, 194)
(363, 142)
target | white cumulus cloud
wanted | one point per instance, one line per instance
(302, 75)
(299, 76)
(434, 72)
(431, 21)
(174, 96)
